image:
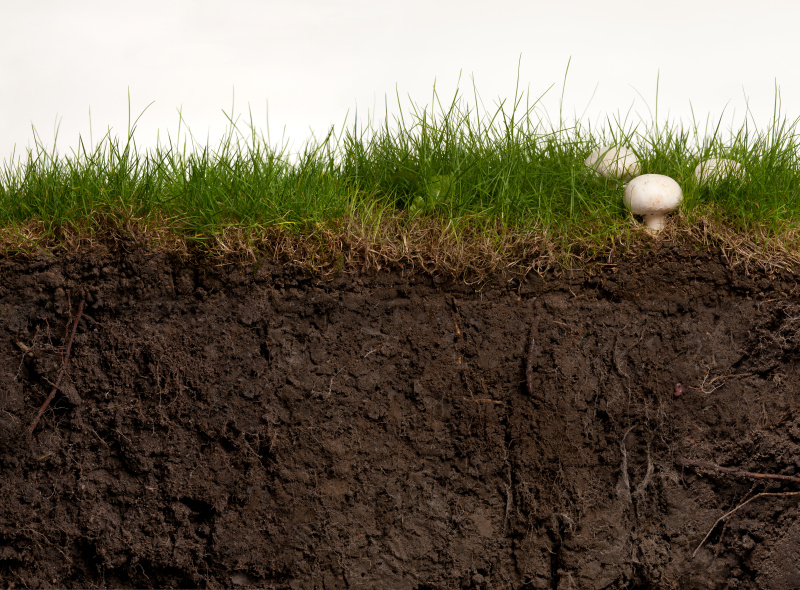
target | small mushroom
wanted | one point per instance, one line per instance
(653, 196)
(717, 169)
(613, 161)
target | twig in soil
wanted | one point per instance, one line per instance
(483, 400)
(24, 348)
(734, 471)
(61, 372)
(735, 510)
(531, 348)
(455, 323)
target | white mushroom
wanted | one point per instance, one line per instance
(652, 196)
(614, 161)
(717, 169)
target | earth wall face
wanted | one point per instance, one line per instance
(235, 426)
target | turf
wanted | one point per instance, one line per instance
(444, 186)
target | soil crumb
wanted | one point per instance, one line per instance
(261, 427)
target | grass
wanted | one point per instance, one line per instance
(454, 191)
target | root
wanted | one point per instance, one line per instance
(739, 473)
(61, 372)
(624, 486)
(730, 513)
(735, 471)
(531, 349)
(648, 477)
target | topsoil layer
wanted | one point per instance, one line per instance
(261, 427)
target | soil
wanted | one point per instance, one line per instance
(240, 426)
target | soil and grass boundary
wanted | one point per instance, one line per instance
(431, 363)
(453, 190)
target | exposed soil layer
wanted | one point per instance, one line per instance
(261, 427)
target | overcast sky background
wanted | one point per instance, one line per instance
(301, 65)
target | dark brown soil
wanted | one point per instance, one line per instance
(240, 427)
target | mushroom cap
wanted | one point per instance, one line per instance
(717, 168)
(613, 160)
(652, 194)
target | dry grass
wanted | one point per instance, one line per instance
(468, 252)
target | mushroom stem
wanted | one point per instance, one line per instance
(655, 222)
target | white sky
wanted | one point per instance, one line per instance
(311, 61)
